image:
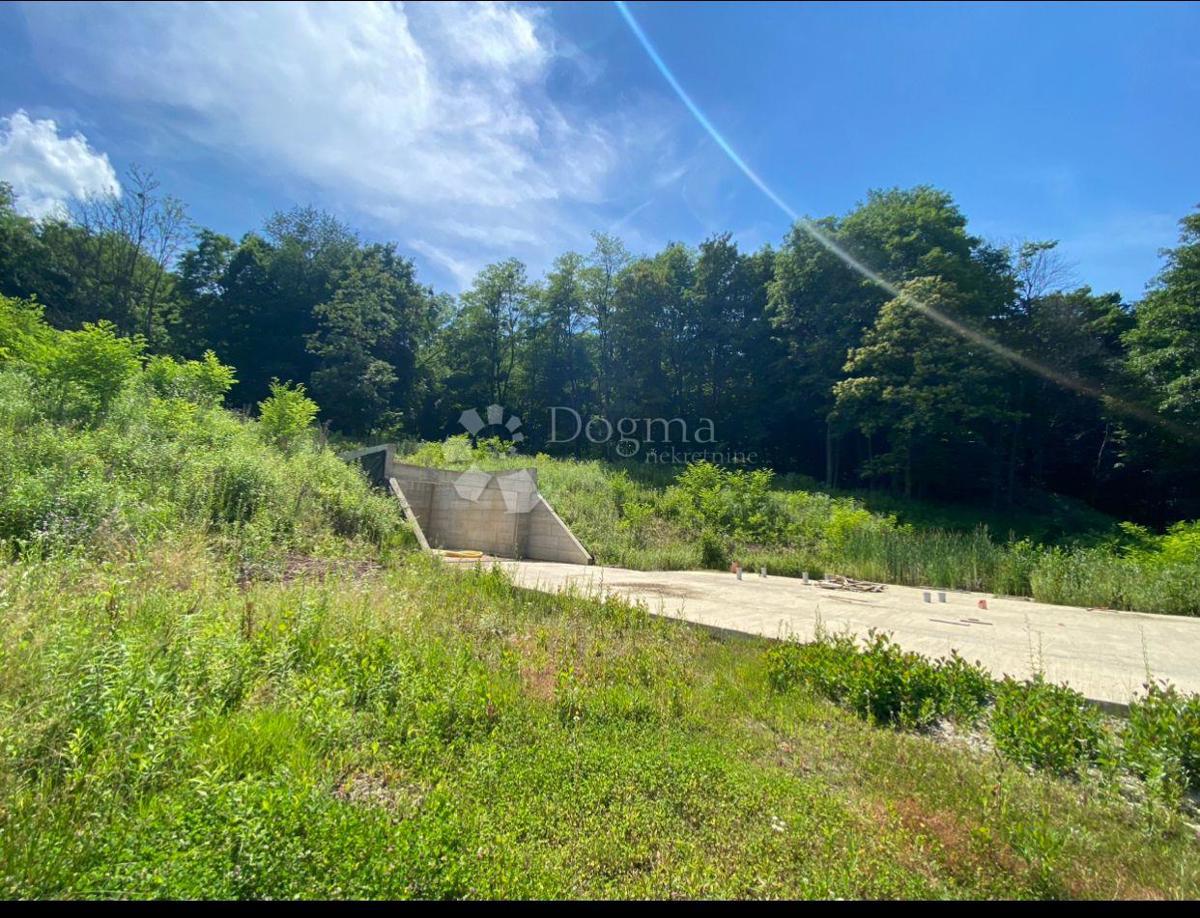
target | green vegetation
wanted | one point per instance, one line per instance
(102, 451)
(1162, 740)
(222, 675)
(1046, 727)
(881, 682)
(417, 732)
(225, 672)
(785, 354)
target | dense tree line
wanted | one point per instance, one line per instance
(983, 373)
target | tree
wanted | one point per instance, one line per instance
(128, 245)
(608, 260)
(1164, 359)
(203, 272)
(243, 320)
(819, 308)
(924, 395)
(638, 336)
(367, 338)
(309, 250)
(1164, 343)
(26, 266)
(487, 334)
(558, 368)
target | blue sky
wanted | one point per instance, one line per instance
(470, 133)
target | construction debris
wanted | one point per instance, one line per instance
(838, 582)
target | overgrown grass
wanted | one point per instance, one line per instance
(102, 452)
(424, 732)
(703, 516)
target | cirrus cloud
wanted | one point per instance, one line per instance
(424, 117)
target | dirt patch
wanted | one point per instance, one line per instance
(382, 788)
(298, 567)
(675, 592)
(965, 852)
(537, 665)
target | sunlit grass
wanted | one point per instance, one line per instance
(438, 733)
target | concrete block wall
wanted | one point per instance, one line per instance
(499, 514)
(481, 523)
(549, 539)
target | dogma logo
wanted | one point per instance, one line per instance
(473, 424)
(517, 488)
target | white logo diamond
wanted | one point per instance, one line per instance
(471, 421)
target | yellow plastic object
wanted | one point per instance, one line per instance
(462, 554)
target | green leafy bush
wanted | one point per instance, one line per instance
(714, 550)
(24, 337)
(1046, 726)
(88, 368)
(286, 414)
(735, 503)
(241, 485)
(1161, 740)
(1035, 723)
(203, 382)
(881, 681)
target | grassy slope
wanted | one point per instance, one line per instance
(428, 733)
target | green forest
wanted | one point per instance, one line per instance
(1043, 384)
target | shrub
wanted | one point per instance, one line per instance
(824, 665)
(203, 382)
(1045, 726)
(714, 550)
(24, 337)
(735, 503)
(1040, 725)
(88, 368)
(891, 686)
(286, 414)
(846, 518)
(241, 484)
(882, 682)
(967, 688)
(1161, 740)
(344, 501)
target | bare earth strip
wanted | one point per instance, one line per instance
(1103, 654)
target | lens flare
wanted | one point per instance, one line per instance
(825, 241)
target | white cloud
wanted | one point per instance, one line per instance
(425, 117)
(47, 170)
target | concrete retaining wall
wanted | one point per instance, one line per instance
(500, 513)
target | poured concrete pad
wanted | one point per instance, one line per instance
(1102, 654)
